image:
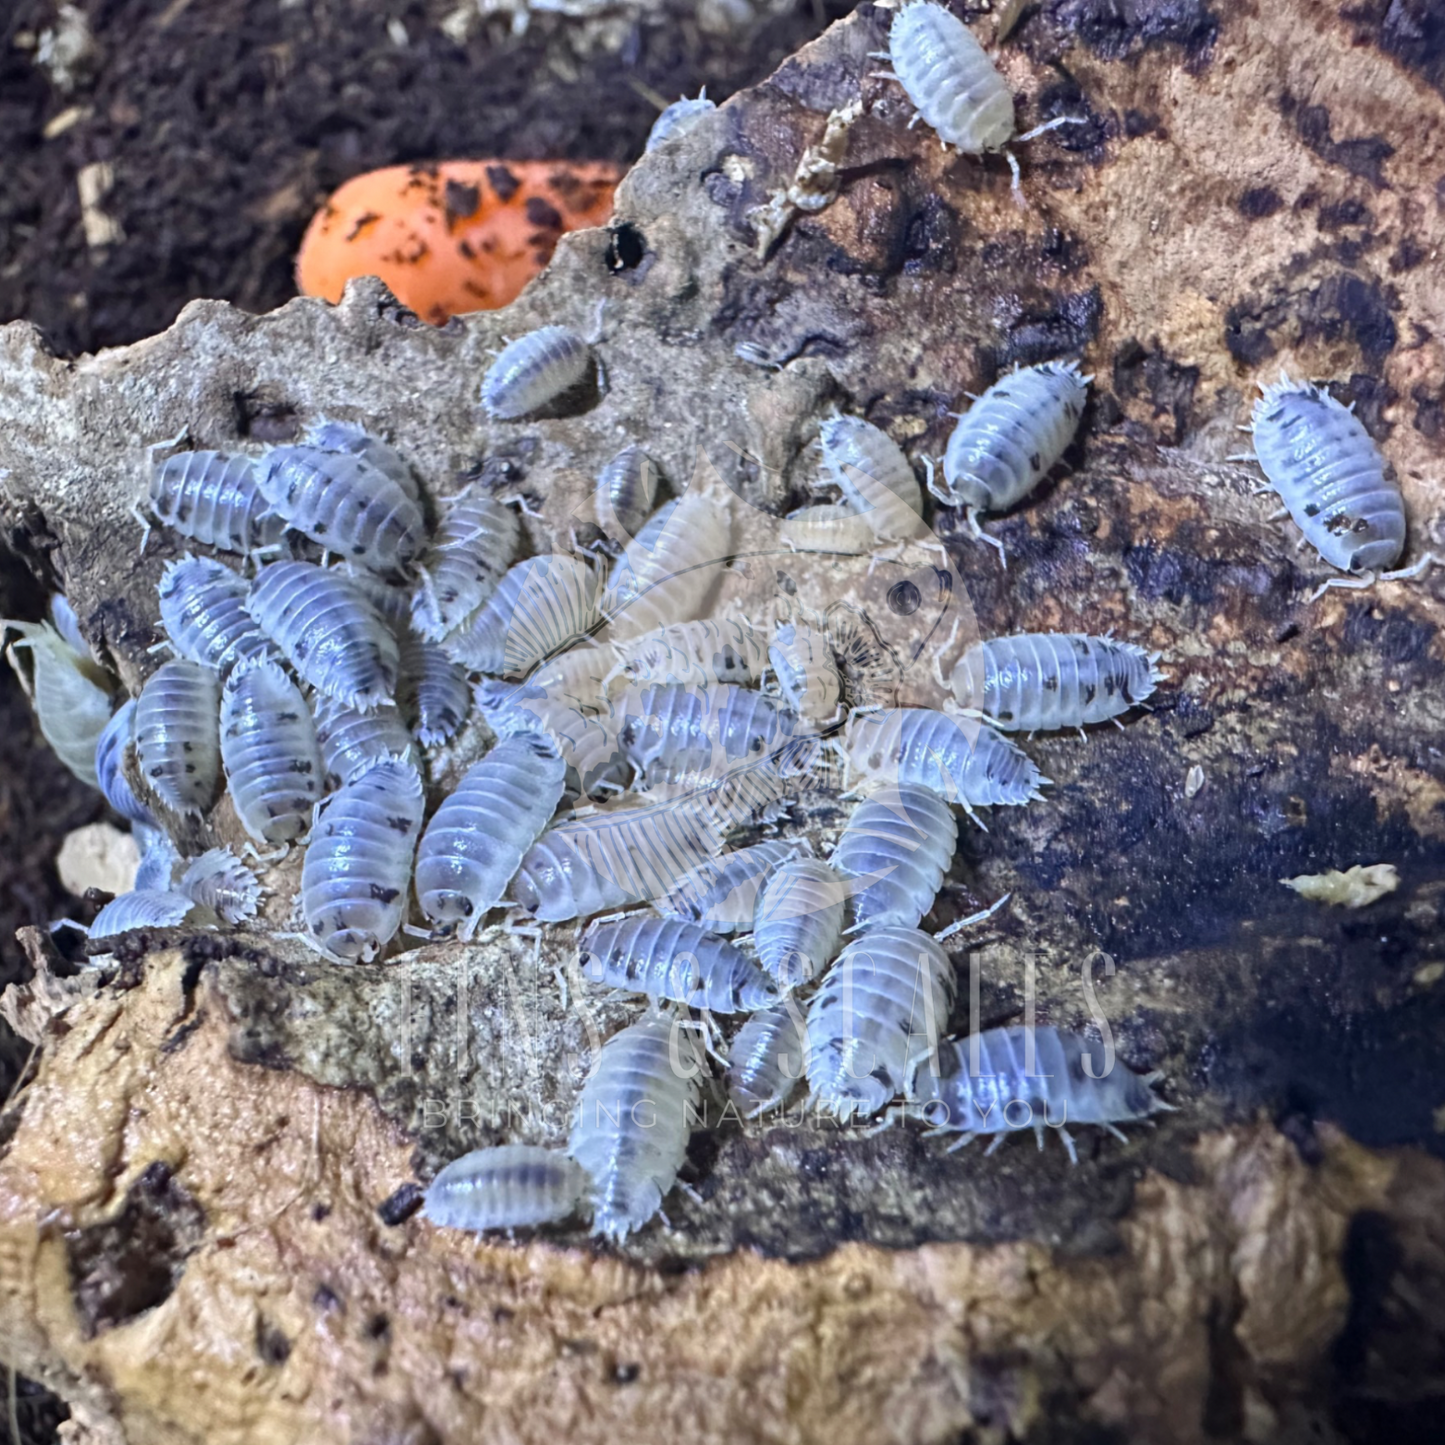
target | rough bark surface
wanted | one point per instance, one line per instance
(1241, 198)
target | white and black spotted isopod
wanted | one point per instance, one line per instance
(668, 732)
(468, 557)
(329, 631)
(203, 610)
(894, 850)
(874, 476)
(633, 1121)
(177, 736)
(765, 1060)
(626, 494)
(345, 504)
(341, 436)
(665, 958)
(882, 1004)
(352, 740)
(213, 498)
(533, 371)
(722, 893)
(510, 1186)
(433, 692)
(476, 839)
(1333, 481)
(110, 751)
(588, 743)
(798, 926)
(1010, 438)
(728, 649)
(807, 672)
(269, 749)
(1038, 681)
(358, 864)
(995, 1083)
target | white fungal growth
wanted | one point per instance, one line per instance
(511, 1186)
(1355, 887)
(177, 736)
(534, 371)
(633, 1121)
(468, 557)
(71, 704)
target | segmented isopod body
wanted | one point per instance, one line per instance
(511, 1186)
(1037, 681)
(965, 763)
(626, 493)
(358, 863)
(799, 922)
(576, 676)
(533, 371)
(67, 624)
(433, 692)
(678, 118)
(142, 908)
(177, 736)
(721, 894)
(1330, 475)
(341, 436)
(883, 1003)
(765, 1060)
(213, 498)
(807, 671)
(874, 476)
(610, 859)
(668, 731)
(950, 79)
(633, 1120)
(895, 849)
(543, 606)
(670, 581)
(351, 740)
(345, 504)
(828, 527)
(1010, 438)
(203, 610)
(467, 559)
(988, 1084)
(115, 741)
(695, 653)
(71, 706)
(269, 749)
(666, 958)
(220, 882)
(621, 579)
(476, 839)
(588, 744)
(329, 631)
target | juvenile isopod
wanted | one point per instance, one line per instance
(1333, 481)
(807, 672)
(722, 893)
(269, 750)
(996, 1083)
(110, 752)
(433, 692)
(534, 371)
(477, 837)
(626, 493)
(511, 1186)
(143, 908)
(213, 498)
(177, 737)
(670, 581)
(468, 557)
(798, 927)
(694, 653)
(542, 606)
(894, 850)
(665, 958)
(633, 1121)
(1009, 440)
(874, 476)
(358, 864)
(1039, 681)
(352, 740)
(679, 118)
(71, 704)
(882, 1004)
(203, 610)
(963, 762)
(765, 1060)
(827, 527)
(345, 504)
(329, 630)
(219, 882)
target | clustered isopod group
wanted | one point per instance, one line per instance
(636, 735)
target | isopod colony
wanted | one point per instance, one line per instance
(638, 736)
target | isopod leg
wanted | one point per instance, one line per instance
(1418, 569)
(1350, 584)
(972, 514)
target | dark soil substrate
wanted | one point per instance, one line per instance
(227, 122)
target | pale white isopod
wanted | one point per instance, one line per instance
(111, 748)
(798, 927)
(177, 735)
(722, 893)
(626, 493)
(71, 704)
(698, 652)
(874, 476)
(203, 610)
(807, 671)
(534, 371)
(352, 740)
(679, 118)
(467, 558)
(143, 908)
(433, 692)
(220, 882)
(894, 850)
(510, 1186)
(213, 498)
(828, 527)
(765, 1059)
